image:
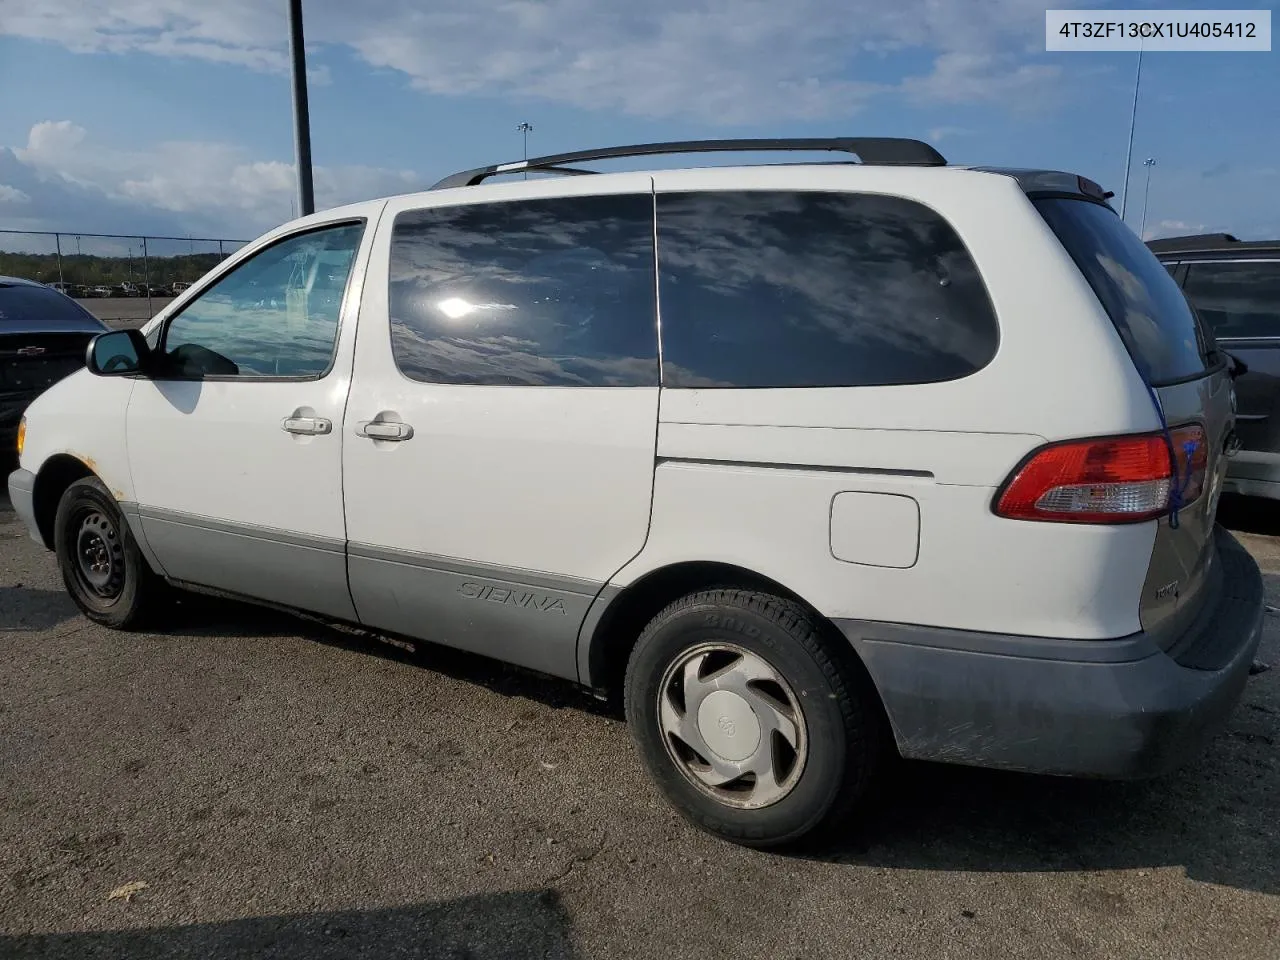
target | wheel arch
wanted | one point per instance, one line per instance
(615, 620)
(54, 476)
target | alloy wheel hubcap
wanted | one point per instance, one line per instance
(732, 725)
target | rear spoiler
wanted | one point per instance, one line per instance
(1054, 183)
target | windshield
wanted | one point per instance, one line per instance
(28, 309)
(1150, 313)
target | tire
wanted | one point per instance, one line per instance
(115, 587)
(816, 770)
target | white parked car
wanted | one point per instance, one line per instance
(811, 462)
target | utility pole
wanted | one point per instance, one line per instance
(1133, 119)
(301, 115)
(1148, 163)
(525, 129)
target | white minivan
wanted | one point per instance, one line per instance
(810, 462)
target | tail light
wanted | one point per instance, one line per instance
(1109, 480)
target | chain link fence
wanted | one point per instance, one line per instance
(116, 277)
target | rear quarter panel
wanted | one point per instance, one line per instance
(972, 569)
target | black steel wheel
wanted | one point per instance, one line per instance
(102, 567)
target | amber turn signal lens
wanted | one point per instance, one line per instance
(22, 434)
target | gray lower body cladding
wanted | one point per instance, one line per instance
(22, 486)
(524, 617)
(528, 618)
(1115, 709)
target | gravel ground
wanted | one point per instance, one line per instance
(276, 788)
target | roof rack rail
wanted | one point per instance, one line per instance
(878, 151)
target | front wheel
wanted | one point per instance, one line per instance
(102, 567)
(752, 723)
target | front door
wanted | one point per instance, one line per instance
(236, 444)
(499, 441)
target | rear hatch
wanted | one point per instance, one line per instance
(1187, 374)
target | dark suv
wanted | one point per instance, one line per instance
(1235, 287)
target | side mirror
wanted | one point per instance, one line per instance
(1235, 366)
(120, 353)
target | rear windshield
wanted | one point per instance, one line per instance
(29, 309)
(1143, 300)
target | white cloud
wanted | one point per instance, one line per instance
(217, 183)
(723, 61)
(963, 77)
(10, 194)
(243, 32)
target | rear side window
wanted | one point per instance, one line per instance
(1237, 300)
(554, 292)
(809, 289)
(1144, 302)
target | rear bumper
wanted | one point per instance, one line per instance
(1116, 709)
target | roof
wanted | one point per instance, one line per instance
(18, 282)
(875, 157)
(1216, 243)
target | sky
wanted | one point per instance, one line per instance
(173, 117)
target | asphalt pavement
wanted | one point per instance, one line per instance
(247, 784)
(125, 311)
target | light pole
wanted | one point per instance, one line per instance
(1133, 118)
(1148, 163)
(525, 129)
(301, 115)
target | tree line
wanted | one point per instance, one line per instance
(91, 271)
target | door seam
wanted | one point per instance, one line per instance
(374, 238)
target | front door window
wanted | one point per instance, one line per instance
(275, 315)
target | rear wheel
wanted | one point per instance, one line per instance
(751, 723)
(102, 567)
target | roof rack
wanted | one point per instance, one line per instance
(878, 151)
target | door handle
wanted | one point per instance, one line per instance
(307, 426)
(383, 430)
